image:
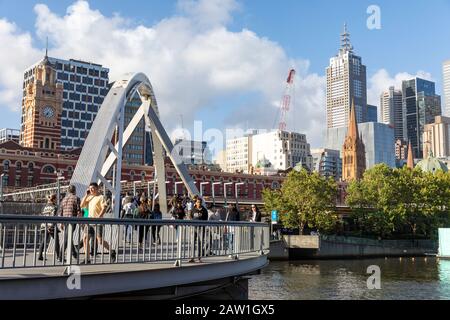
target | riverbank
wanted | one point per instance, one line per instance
(336, 247)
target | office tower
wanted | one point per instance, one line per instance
(346, 82)
(239, 154)
(193, 152)
(282, 149)
(85, 85)
(372, 113)
(378, 139)
(446, 78)
(436, 138)
(420, 107)
(391, 110)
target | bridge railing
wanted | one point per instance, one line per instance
(30, 241)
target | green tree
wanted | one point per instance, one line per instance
(305, 200)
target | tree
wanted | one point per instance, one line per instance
(305, 200)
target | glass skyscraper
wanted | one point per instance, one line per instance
(421, 105)
(446, 77)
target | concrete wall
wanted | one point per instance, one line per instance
(348, 247)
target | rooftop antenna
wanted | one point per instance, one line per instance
(46, 47)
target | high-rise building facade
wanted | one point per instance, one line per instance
(378, 140)
(327, 163)
(372, 113)
(346, 83)
(446, 78)
(436, 138)
(283, 149)
(391, 110)
(421, 105)
(239, 154)
(193, 152)
(85, 85)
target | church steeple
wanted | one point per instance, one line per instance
(410, 161)
(354, 154)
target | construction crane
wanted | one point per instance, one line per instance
(286, 100)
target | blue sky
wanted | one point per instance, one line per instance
(415, 36)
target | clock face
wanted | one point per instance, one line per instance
(48, 112)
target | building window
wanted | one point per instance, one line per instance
(6, 165)
(18, 166)
(48, 170)
(17, 182)
(30, 181)
(5, 180)
(30, 167)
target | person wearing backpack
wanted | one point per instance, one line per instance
(129, 210)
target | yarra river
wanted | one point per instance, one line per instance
(406, 278)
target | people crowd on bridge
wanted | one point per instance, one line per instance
(137, 206)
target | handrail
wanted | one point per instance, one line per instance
(26, 241)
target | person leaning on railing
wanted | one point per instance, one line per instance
(143, 213)
(49, 229)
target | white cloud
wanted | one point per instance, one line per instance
(16, 53)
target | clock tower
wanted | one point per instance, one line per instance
(42, 107)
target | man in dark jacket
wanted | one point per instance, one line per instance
(199, 213)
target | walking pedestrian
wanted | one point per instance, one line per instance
(49, 229)
(199, 213)
(70, 207)
(96, 204)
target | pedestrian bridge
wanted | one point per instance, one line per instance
(147, 257)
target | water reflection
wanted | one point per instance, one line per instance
(407, 278)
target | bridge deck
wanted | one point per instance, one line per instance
(57, 271)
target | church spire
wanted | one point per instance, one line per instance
(352, 124)
(410, 161)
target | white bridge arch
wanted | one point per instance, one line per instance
(99, 155)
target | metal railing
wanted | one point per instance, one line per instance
(30, 241)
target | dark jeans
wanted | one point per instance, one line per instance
(141, 232)
(155, 234)
(45, 237)
(199, 242)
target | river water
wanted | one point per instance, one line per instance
(406, 278)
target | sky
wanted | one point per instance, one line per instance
(225, 62)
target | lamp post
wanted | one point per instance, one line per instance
(225, 191)
(1, 186)
(148, 189)
(201, 187)
(214, 192)
(175, 192)
(236, 191)
(134, 187)
(59, 177)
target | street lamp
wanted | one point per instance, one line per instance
(134, 187)
(175, 192)
(236, 191)
(1, 186)
(201, 187)
(213, 192)
(225, 191)
(59, 177)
